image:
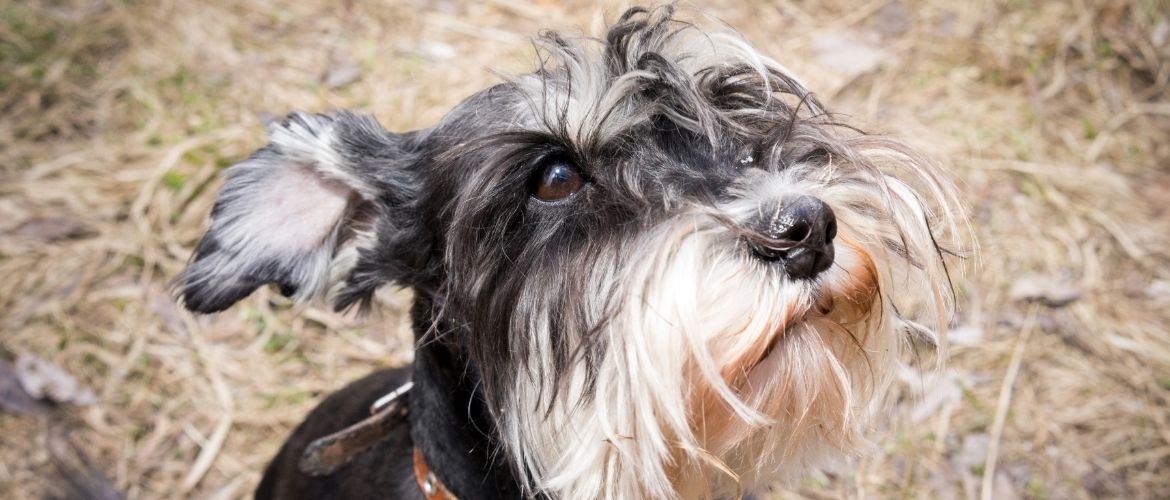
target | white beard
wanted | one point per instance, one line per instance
(719, 374)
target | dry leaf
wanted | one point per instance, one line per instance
(892, 19)
(44, 380)
(340, 74)
(1160, 34)
(1159, 290)
(1003, 488)
(847, 52)
(932, 390)
(13, 397)
(436, 51)
(966, 334)
(1047, 290)
(50, 229)
(972, 453)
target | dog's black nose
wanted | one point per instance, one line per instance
(798, 234)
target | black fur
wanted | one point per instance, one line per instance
(384, 471)
(447, 421)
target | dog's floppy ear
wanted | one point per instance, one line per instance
(295, 212)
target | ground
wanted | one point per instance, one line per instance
(116, 118)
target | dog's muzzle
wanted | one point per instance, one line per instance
(797, 234)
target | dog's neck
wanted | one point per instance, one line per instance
(449, 421)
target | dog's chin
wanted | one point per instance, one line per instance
(719, 374)
(809, 378)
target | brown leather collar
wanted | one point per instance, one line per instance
(432, 488)
(327, 454)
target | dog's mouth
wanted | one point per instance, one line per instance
(844, 296)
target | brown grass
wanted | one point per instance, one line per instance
(117, 116)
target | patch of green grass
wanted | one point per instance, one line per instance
(1088, 128)
(135, 261)
(1022, 146)
(1105, 50)
(205, 155)
(288, 398)
(139, 432)
(1164, 383)
(411, 65)
(1029, 187)
(816, 482)
(1155, 10)
(277, 343)
(223, 162)
(195, 97)
(91, 360)
(31, 36)
(174, 180)
(1035, 489)
(993, 76)
(35, 40)
(1039, 60)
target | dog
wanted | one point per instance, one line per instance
(655, 267)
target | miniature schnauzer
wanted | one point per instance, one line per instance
(656, 267)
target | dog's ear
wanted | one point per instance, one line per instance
(296, 212)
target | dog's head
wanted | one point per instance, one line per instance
(676, 273)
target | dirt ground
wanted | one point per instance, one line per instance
(116, 118)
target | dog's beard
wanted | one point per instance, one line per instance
(717, 372)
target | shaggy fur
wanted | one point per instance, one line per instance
(623, 342)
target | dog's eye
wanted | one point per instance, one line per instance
(558, 180)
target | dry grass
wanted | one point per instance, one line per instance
(116, 117)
